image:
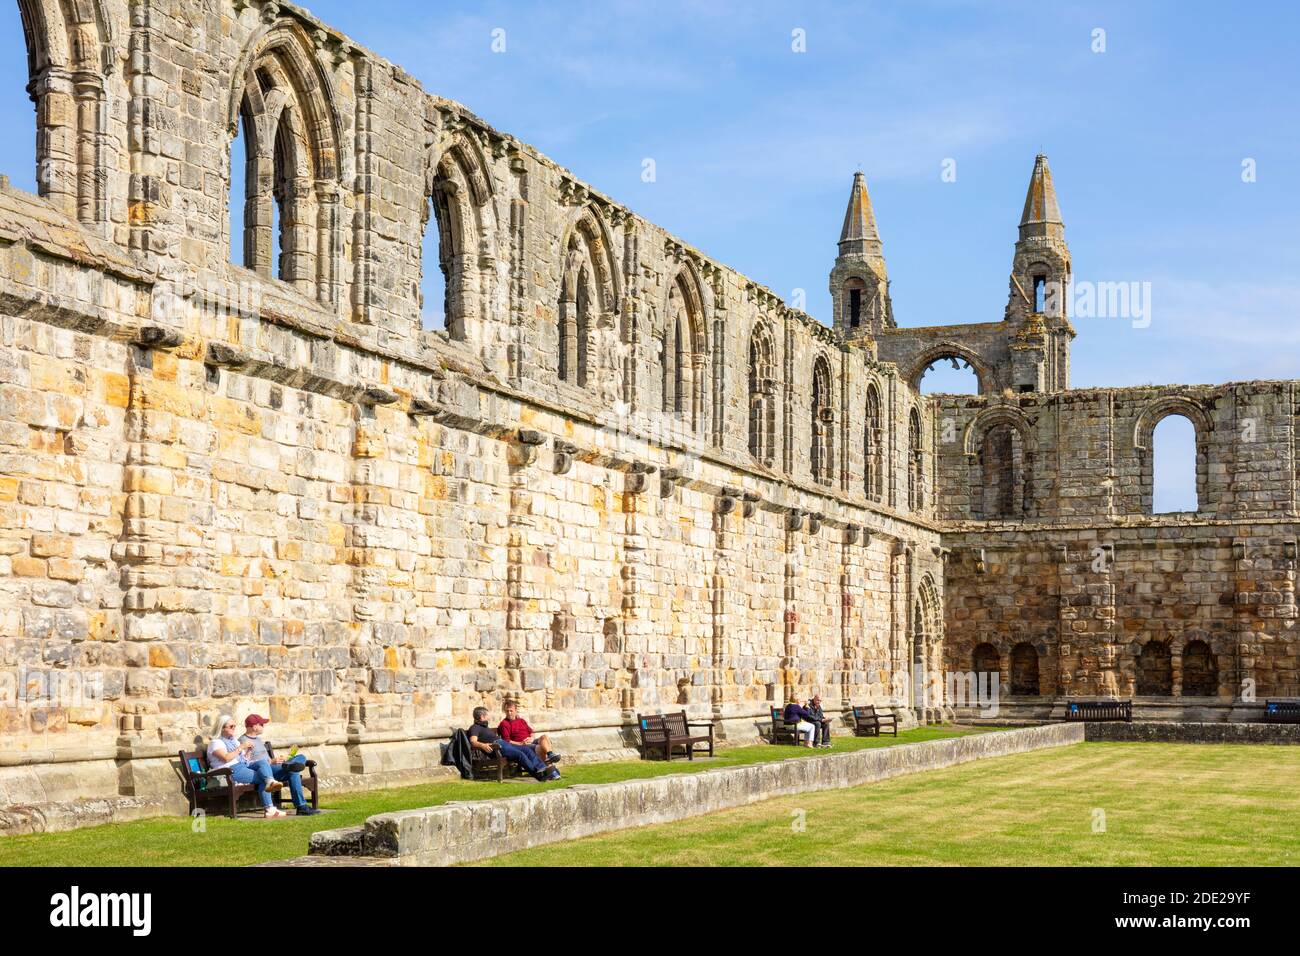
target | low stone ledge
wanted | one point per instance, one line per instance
(1191, 732)
(459, 832)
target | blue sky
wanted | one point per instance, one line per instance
(755, 145)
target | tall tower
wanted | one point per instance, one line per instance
(1037, 307)
(859, 282)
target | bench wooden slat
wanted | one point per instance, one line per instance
(206, 787)
(869, 722)
(664, 733)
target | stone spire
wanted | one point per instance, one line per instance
(859, 236)
(1042, 215)
(1038, 301)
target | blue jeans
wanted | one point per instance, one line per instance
(294, 779)
(526, 757)
(258, 773)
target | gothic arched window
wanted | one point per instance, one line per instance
(762, 396)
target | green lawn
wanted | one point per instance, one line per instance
(1163, 804)
(170, 841)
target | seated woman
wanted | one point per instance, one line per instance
(225, 750)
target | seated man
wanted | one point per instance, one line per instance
(516, 730)
(822, 722)
(797, 714)
(225, 752)
(291, 775)
(484, 738)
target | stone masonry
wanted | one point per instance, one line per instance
(623, 478)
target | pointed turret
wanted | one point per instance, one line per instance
(859, 236)
(1039, 300)
(1042, 215)
(859, 282)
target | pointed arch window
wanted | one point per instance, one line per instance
(587, 307)
(873, 458)
(823, 423)
(762, 396)
(292, 218)
(68, 49)
(684, 381)
(915, 463)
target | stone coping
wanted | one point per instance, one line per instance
(1191, 732)
(460, 832)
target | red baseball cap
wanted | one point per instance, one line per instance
(253, 719)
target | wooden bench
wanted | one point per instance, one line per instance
(869, 722)
(783, 732)
(1282, 711)
(204, 787)
(664, 733)
(1099, 710)
(310, 782)
(492, 766)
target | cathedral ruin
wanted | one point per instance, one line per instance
(623, 478)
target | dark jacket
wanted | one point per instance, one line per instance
(458, 753)
(816, 714)
(795, 713)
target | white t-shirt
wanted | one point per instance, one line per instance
(231, 746)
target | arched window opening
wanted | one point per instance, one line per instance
(1155, 675)
(949, 375)
(587, 311)
(985, 659)
(762, 396)
(65, 78)
(291, 226)
(873, 441)
(915, 463)
(685, 373)
(1040, 294)
(436, 254)
(280, 191)
(855, 291)
(240, 194)
(1001, 489)
(823, 423)
(1024, 670)
(1200, 672)
(574, 314)
(1173, 462)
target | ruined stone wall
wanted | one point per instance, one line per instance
(229, 489)
(1088, 577)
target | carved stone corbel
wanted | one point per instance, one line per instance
(564, 452)
(636, 477)
(668, 479)
(422, 406)
(524, 452)
(793, 519)
(815, 522)
(225, 356)
(752, 498)
(157, 337)
(851, 533)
